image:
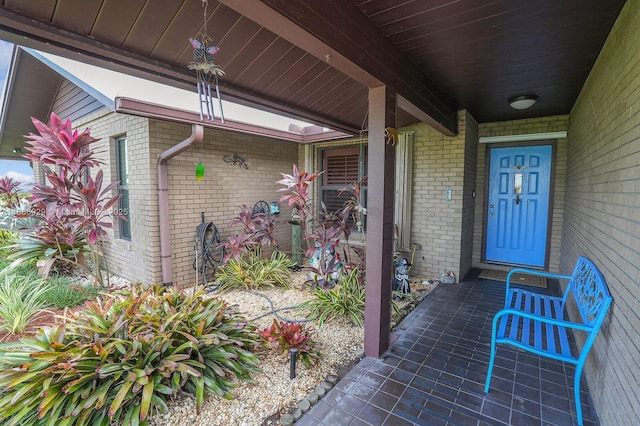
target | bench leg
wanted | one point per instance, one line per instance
(491, 361)
(576, 392)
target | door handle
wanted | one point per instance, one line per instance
(517, 199)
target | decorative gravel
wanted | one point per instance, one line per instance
(274, 394)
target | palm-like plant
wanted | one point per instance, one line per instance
(73, 213)
(297, 184)
(9, 188)
(345, 300)
(328, 227)
(61, 147)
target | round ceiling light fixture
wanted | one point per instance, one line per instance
(522, 101)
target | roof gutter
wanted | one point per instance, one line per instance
(147, 109)
(197, 134)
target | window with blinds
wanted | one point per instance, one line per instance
(342, 168)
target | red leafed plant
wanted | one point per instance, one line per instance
(258, 232)
(74, 208)
(9, 188)
(284, 335)
(297, 184)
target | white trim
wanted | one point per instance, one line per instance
(526, 137)
(403, 189)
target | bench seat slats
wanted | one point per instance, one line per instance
(548, 338)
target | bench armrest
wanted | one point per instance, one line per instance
(533, 272)
(538, 273)
(552, 321)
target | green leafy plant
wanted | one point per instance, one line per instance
(17, 219)
(48, 245)
(62, 293)
(345, 300)
(121, 358)
(251, 271)
(284, 335)
(6, 237)
(20, 300)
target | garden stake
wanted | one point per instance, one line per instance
(292, 371)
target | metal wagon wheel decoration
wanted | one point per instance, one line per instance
(207, 71)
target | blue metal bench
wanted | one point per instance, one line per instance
(539, 323)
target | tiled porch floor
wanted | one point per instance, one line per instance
(434, 372)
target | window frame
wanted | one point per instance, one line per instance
(124, 226)
(324, 153)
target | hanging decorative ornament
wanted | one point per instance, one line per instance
(199, 172)
(207, 71)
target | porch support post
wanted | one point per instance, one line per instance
(380, 203)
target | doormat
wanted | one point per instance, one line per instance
(517, 278)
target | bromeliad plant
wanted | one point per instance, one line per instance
(251, 271)
(345, 300)
(284, 336)
(74, 208)
(121, 358)
(20, 300)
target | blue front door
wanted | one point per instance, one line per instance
(518, 205)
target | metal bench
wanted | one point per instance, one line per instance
(539, 323)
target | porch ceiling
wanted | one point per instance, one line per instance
(315, 60)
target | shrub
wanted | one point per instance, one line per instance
(73, 210)
(346, 299)
(118, 360)
(62, 293)
(9, 193)
(5, 241)
(284, 335)
(327, 228)
(20, 300)
(258, 229)
(251, 271)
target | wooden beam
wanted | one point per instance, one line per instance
(380, 205)
(339, 33)
(42, 36)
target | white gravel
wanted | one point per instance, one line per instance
(337, 341)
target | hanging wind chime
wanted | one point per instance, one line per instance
(207, 73)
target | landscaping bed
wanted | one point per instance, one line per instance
(272, 393)
(339, 342)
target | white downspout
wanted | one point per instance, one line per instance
(197, 133)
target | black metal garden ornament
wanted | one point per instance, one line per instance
(207, 71)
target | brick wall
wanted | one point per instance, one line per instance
(219, 195)
(522, 127)
(223, 189)
(602, 210)
(437, 225)
(135, 259)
